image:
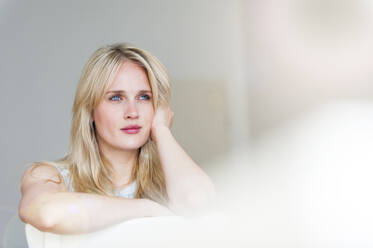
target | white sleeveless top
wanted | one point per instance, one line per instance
(127, 192)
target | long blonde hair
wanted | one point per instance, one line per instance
(89, 170)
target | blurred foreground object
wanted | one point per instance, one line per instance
(143, 232)
(307, 183)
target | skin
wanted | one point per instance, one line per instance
(128, 101)
(134, 106)
(46, 203)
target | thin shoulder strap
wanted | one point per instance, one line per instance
(65, 173)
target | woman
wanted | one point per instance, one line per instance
(123, 161)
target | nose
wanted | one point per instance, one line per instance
(131, 111)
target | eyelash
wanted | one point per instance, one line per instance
(148, 97)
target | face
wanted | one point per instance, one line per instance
(124, 116)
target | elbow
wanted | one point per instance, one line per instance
(22, 215)
(201, 202)
(41, 218)
(47, 219)
(195, 203)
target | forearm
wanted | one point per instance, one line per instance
(188, 187)
(74, 213)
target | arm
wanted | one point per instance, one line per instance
(190, 190)
(47, 205)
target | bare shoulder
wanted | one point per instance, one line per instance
(39, 180)
(42, 173)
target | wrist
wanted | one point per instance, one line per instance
(159, 131)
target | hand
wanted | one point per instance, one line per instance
(163, 118)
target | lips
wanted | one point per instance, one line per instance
(131, 129)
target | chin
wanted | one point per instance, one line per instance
(133, 146)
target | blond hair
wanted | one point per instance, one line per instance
(89, 170)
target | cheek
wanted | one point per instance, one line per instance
(105, 120)
(149, 115)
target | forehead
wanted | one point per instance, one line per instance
(131, 77)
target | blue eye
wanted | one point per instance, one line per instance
(144, 97)
(115, 98)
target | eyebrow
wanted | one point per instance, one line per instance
(124, 92)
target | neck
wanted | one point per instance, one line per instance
(122, 163)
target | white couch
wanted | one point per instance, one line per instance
(144, 232)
